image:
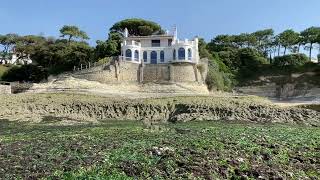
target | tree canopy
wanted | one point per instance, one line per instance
(288, 38)
(310, 36)
(137, 27)
(73, 32)
(231, 57)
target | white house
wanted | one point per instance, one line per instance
(314, 60)
(16, 59)
(159, 49)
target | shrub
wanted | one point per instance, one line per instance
(292, 60)
(228, 58)
(104, 61)
(247, 63)
(250, 58)
(201, 68)
(3, 69)
(215, 80)
(219, 76)
(26, 73)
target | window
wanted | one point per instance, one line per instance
(128, 54)
(181, 54)
(174, 54)
(154, 57)
(145, 56)
(136, 55)
(169, 42)
(155, 43)
(189, 54)
(162, 56)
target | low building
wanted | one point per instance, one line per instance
(14, 58)
(314, 60)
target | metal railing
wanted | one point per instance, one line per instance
(122, 58)
(90, 65)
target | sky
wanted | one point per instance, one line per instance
(204, 18)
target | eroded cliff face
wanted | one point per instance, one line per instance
(83, 108)
(286, 91)
(296, 86)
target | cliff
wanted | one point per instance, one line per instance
(84, 108)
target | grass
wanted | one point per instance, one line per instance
(131, 150)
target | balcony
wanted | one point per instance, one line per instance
(183, 43)
(131, 43)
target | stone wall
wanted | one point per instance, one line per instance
(14, 87)
(178, 72)
(111, 73)
(184, 73)
(5, 89)
(129, 72)
(17, 87)
(156, 72)
(122, 71)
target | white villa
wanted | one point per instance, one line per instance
(159, 49)
(14, 58)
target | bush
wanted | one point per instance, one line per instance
(215, 80)
(103, 61)
(219, 76)
(247, 63)
(228, 58)
(291, 60)
(201, 68)
(3, 69)
(26, 73)
(250, 58)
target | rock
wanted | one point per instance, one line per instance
(95, 108)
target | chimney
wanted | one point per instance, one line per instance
(126, 33)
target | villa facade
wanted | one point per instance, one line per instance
(159, 49)
(160, 59)
(15, 58)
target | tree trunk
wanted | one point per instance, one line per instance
(285, 49)
(270, 57)
(279, 47)
(310, 51)
(299, 47)
(69, 39)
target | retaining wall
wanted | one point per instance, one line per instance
(111, 73)
(5, 89)
(156, 72)
(122, 71)
(184, 73)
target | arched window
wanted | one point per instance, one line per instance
(181, 54)
(189, 54)
(161, 56)
(136, 55)
(145, 56)
(154, 57)
(174, 54)
(128, 54)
